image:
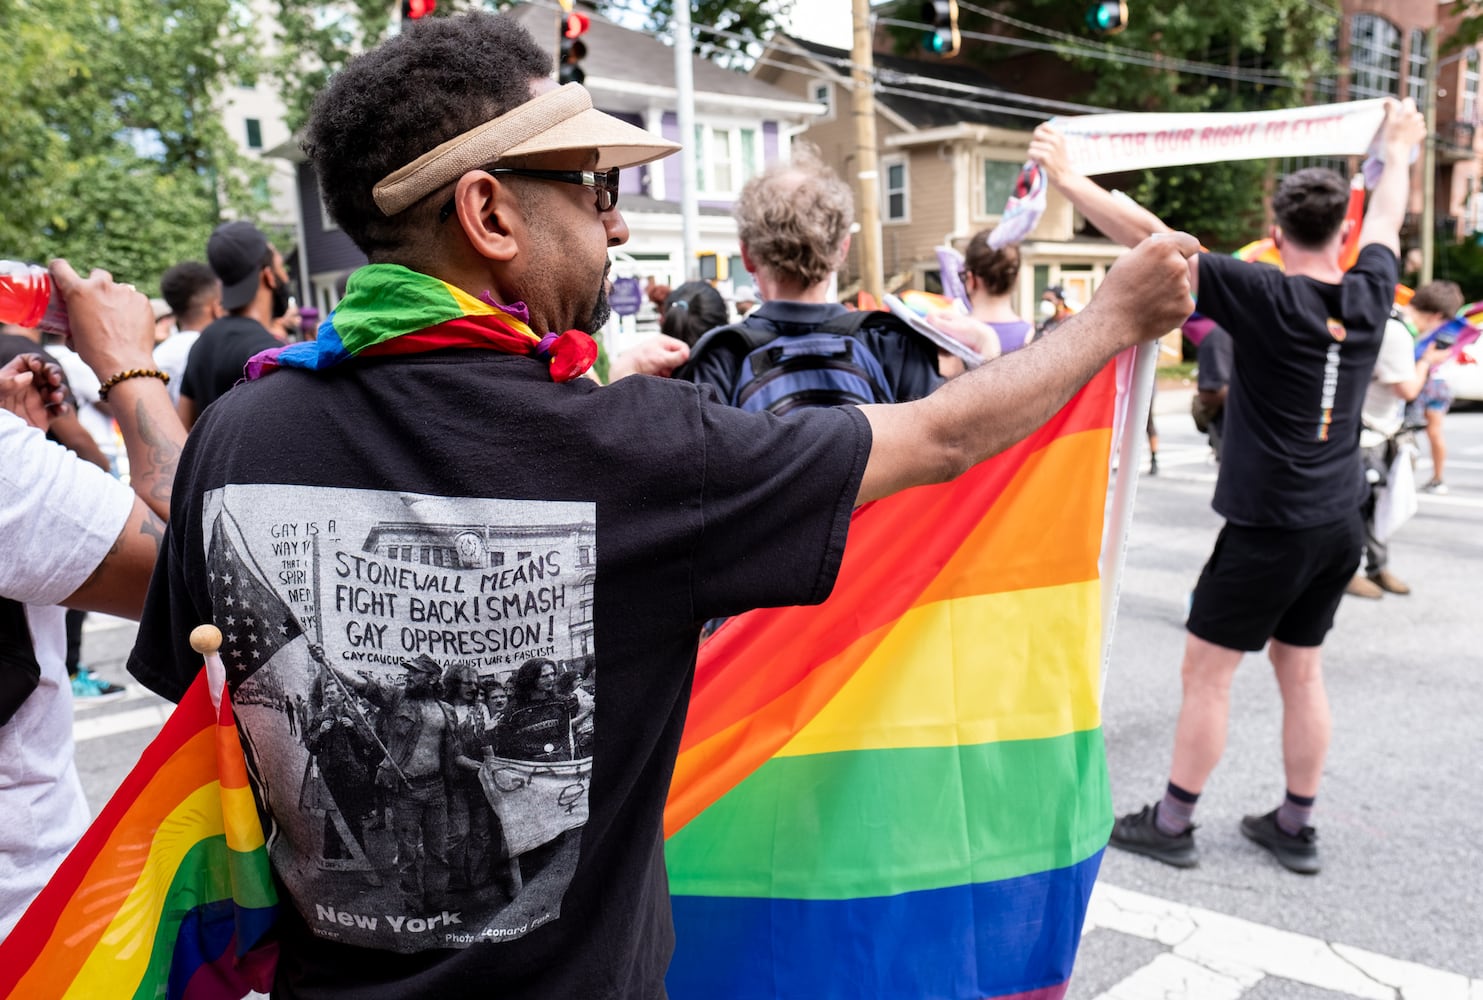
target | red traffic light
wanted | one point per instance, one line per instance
(575, 24)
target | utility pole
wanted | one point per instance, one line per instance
(862, 75)
(1429, 163)
(685, 114)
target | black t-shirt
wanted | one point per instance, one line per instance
(460, 505)
(1216, 363)
(909, 361)
(219, 355)
(1304, 350)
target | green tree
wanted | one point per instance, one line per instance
(315, 40)
(729, 32)
(112, 153)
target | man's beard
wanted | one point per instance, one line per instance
(601, 309)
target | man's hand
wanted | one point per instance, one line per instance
(31, 388)
(1149, 288)
(658, 355)
(112, 324)
(1048, 148)
(1404, 127)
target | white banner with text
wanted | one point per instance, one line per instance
(1112, 143)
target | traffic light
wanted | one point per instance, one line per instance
(942, 17)
(414, 9)
(1108, 17)
(573, 50)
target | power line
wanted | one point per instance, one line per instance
(1113, 54)
(903, 80)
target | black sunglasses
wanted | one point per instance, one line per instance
(604, 182)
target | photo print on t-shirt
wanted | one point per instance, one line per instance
(414, 680)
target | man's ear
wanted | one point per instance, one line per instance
(746, 257)
(487, 212)
(1275, 234)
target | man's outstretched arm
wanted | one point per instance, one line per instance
(1402, 129)
(985, 411)
(1117, 217)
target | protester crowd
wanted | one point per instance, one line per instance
(788, 454)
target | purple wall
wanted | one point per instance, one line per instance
(325, 250)
(670, 128)
(634, 180)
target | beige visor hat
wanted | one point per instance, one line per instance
(556, 121)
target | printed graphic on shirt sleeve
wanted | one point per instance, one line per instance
(414, 678)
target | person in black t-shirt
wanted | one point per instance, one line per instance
(433, 478)
(1290, 484)
(1213, 384)
(254, 292)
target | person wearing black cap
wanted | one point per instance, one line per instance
(254, 292)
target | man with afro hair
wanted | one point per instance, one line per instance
(432, 477)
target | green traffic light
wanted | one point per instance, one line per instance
(1107, 16)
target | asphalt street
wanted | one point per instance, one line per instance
(1396, 911)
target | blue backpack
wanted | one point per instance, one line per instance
(827, 366)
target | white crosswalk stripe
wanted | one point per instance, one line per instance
(1218, 957)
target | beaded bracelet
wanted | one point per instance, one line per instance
(114, 380)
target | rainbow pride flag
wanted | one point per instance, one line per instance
(903, 792)
(169, 894)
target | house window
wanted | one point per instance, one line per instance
(254, 134)
(725, 158)
(999, 178)
(1375, 55)
(1470, 87)
(823, 93)
(896, 207)
(1416, 68)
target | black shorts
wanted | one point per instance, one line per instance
(1270, 583)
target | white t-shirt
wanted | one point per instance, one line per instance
(171, 356)
(1384, 411)
(59, 516)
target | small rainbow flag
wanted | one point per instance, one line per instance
(169, 893)
(903, 792)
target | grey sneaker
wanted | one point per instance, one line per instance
(1137, 832)
(1296, 852)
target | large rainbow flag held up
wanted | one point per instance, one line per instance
(169, 893)
(903, 792)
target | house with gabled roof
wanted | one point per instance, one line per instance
(742, 123)
(950, 145)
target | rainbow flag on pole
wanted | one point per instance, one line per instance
(903, 792)
(169, 894)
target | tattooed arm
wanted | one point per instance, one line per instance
(153, 435)
(113, 331)
(117, 585)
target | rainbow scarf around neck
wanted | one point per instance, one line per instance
(390, 309)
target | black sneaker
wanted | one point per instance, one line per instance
(1138, 833)
(1295, 852)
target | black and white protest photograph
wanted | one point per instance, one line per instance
(429, 690)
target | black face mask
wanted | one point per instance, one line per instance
(280, 298)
